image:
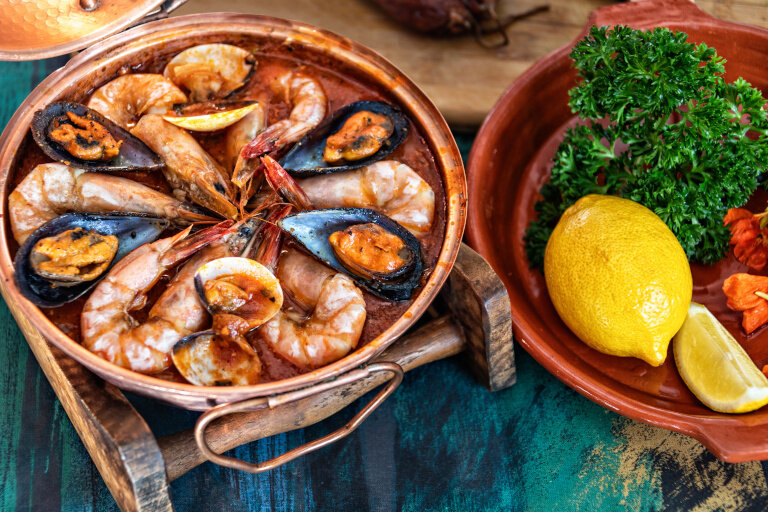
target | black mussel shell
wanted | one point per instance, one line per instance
(311, 230)
(134, 154)
(131, 231)
(306, 157)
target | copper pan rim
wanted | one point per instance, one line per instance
(401, 89)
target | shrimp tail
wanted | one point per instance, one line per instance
(184, 246)
(282, 183)
(266, 141)
(267, 250)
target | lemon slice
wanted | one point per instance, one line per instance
(211, 122)
(715, 367)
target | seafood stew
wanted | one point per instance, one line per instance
(278, 84)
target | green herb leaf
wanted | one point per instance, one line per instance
(659, 126)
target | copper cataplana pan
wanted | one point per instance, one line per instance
(104, 61)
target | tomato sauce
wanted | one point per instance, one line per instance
(341, 88)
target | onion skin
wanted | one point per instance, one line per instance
(438, 17)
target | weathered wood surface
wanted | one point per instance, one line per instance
(462, 78)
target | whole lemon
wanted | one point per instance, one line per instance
(618, 277)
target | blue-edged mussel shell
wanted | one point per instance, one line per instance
(134, 154)
(306, 157)
(311, 230)
(131, 231)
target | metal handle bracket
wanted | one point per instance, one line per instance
(261, 403)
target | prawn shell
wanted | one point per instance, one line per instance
(306, 157)
(134, 154)
(195, 360)
(132, 231)
(311, 230)
(243, 266)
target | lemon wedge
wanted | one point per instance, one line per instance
(715, 367)
(211, 122)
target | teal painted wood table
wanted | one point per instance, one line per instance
(441, 442)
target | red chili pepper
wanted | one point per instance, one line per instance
(748, 293)
(748, 238)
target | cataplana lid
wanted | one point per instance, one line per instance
(38, 29)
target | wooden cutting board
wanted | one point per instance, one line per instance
(461, 77)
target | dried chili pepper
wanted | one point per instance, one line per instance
(454, 17)
(748, 293)
(749, 237)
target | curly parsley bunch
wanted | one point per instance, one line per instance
(661, 127)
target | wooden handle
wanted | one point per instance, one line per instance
(437, 339)
(116, 436)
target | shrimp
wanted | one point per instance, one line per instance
(50, 190)
(126, 98)
(242, 132)
(210, 70)
(336, 322)
(109, 330)
(191, 171)
(309, 108)
(388, 186)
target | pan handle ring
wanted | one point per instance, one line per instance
(255, 404)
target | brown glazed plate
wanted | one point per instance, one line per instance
(161, 39)
(512, 157)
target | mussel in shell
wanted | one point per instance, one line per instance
(65, 257)
(241, 287)
(210, 70)
(76, 135)
(207, 359)
(375, 251)
(354, 136)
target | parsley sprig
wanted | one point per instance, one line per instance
(659, 125)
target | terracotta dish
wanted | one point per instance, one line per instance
(152, 45)
(510, 160)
